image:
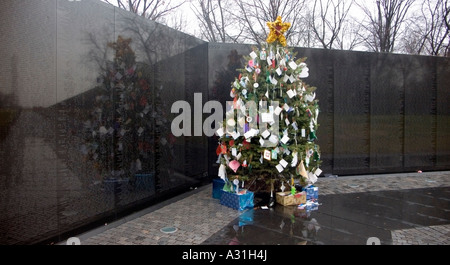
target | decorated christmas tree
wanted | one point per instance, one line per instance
(268, 135)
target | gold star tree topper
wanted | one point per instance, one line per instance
(277, 29)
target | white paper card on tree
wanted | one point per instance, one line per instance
(285, 78)
(233, 151)
(294, 159)
(274, 81)
(293, 65)
(253, 132)
(318, 172)
(303, 133)
(235, 135)
(238, 156)
(294, 125)
(287, 151)
(248, 134)
(287, 122)
(278, 71)
(265, 134)
(280, 168)
(222, 172)
(220, 132)
(292, 79)
(310, 97)
(273, 139)
(267, 155)
(283, 162)
(269, 61)
(267, 117)
(253, 55)
(271, 109)
(278, 110)
(261, 142)
(312, 178)
(241, 122)
(291, 93)
(267, 94)
(286, 107)
(285, 139)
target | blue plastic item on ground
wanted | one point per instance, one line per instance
(218, 184)
(312, 192)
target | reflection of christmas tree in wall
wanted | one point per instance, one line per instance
(120, 132)
(270, 127)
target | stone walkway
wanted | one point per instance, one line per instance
(196, 218)
(430, 235)
(197, 215)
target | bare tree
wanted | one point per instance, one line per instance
(384, 23)
(253, 15)
(428, 33)
(349, 37)
(215, 21)
(447, 24)
(438, 30)
(327, 22)
(150, 9)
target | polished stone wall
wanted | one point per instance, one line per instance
(380, 113)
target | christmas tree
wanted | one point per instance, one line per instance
(271, 125)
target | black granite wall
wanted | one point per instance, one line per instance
(380, 113)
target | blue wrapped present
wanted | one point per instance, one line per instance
(237, 201)
(217, 188)
(312, 192)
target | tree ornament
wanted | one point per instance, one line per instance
(277, 30)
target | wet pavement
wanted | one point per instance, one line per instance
(341, 219)
(353, 210)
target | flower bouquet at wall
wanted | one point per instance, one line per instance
(267, 140)
(119, 136)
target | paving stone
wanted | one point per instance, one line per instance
(209, 216)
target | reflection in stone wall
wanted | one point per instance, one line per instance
(54, 100)
(379, 112)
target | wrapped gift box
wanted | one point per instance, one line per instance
(217, 188)
(286, 198)
(312, 192)
(237, 201)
